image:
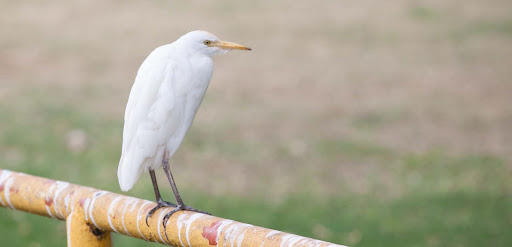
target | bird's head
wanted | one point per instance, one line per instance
(208, 44)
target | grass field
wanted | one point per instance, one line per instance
(361, 123)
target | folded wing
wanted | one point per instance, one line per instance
(148, 119)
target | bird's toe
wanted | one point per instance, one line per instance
(195, 210)
(160, 204)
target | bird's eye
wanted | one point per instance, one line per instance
(207, 42)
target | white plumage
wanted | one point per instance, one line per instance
(164, 99)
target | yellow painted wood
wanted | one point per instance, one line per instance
(82, 234)
(88, 211)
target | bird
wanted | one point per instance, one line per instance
(168, 89)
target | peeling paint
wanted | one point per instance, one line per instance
(66, 203)
(7, 191)
(272, 233)
(48, 202)
(235, 232)
(139, 218)
(68, 228)
(110, 207)
(60, 187)
(240, 239)
(126, 204)
(5, 174)
(134, 204)
(159, 223)
(73, 203)
(91, 206)
(3, 177)
(125, 214)
(86, 207)
(179, 224)
(289, 240)
(189, 222)
(15, 190)
(210, 232)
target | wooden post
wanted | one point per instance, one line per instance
(82, 234)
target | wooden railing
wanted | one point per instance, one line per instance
(91, 215)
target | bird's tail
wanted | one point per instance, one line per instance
(129, 171)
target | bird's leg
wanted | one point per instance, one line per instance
(181, 205)
(160, 203)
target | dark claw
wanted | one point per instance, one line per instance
(178, 208)
(160, 204)
(168, 215)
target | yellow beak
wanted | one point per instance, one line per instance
(230, 46)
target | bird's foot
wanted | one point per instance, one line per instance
(160, 204)
(181, 207)
(178, 208)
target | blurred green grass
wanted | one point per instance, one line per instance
(441, 200)
(372, 123)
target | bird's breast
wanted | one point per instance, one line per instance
(189, 95)
(193, 87)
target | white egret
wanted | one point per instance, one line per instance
(163, 102)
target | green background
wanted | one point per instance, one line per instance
(361, 123)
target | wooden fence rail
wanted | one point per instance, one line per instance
(91, 215)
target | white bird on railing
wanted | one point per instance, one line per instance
(163, 102)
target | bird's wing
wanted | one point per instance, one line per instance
(150, 107)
